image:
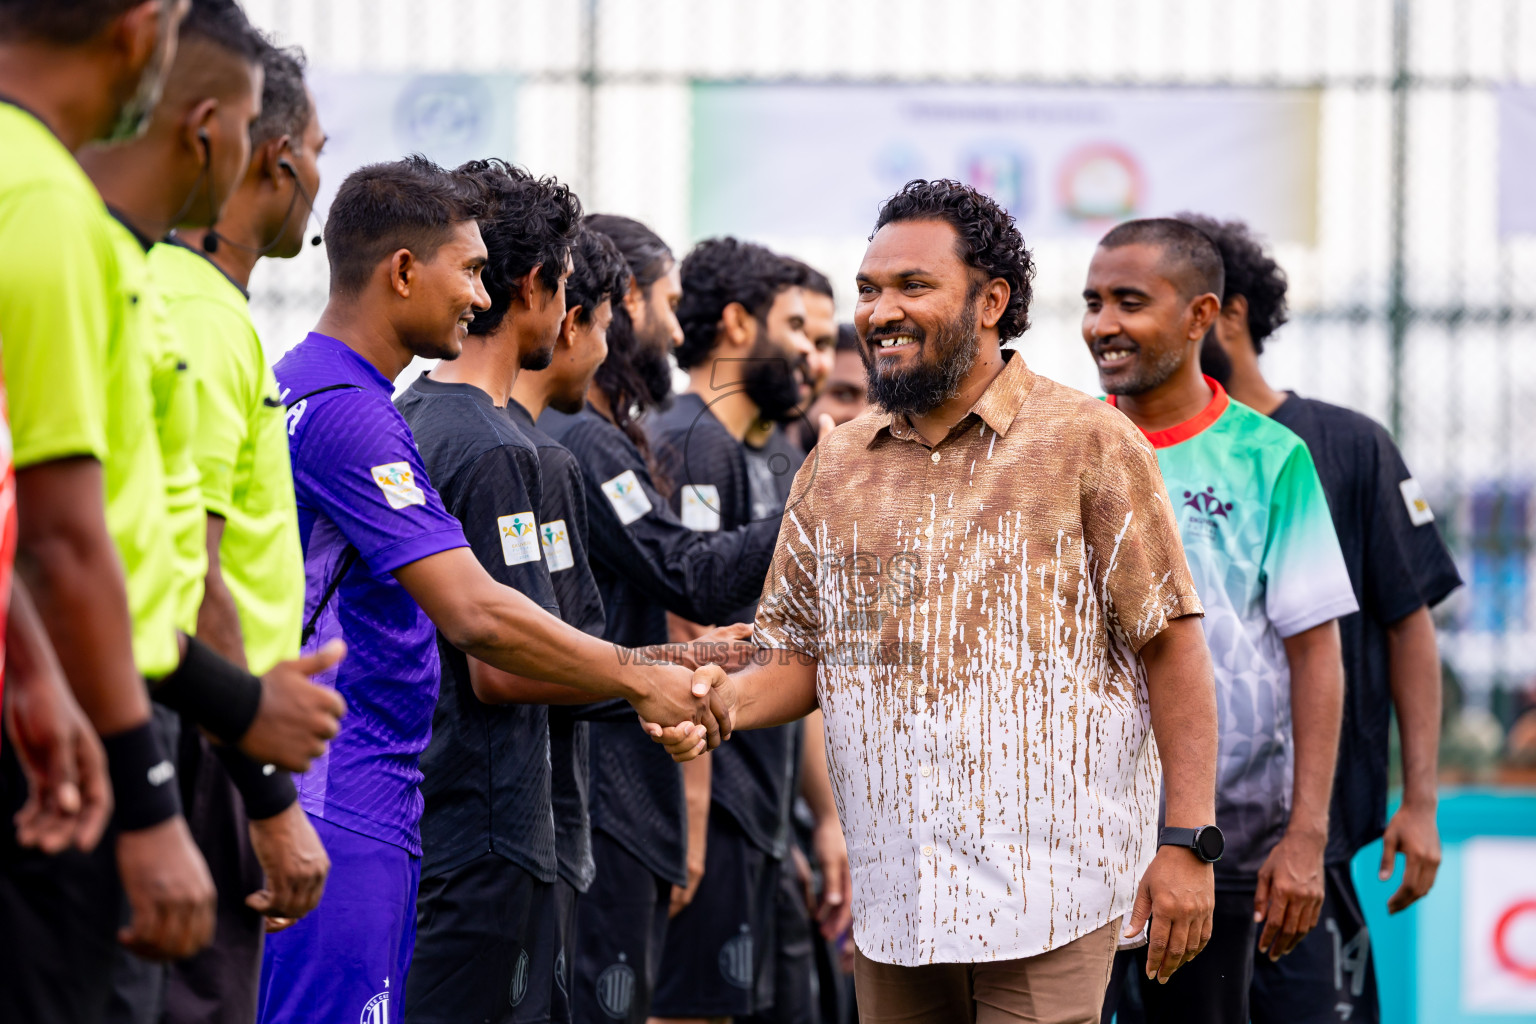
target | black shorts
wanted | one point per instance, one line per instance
(477, 938)
(1210, 989)
(59, 917)
(557, 945)
(621, 925)
(1329, 977)
(716, 962)
(792, 959)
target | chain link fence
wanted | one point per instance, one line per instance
(1409, 303)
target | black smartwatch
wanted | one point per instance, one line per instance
(1207, 841)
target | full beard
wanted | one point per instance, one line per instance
(651, 363)
(928, 383)
(773, 382)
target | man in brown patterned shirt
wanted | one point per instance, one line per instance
(983, 589)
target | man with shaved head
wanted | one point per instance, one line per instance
(1272, 579)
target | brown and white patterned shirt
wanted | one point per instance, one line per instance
(975, 609)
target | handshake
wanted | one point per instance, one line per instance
(696, 720)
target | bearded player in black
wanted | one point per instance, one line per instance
(646, 563)
(746, 351)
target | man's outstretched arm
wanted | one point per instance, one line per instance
(776, 692)
(1178, 892)
(506, 630)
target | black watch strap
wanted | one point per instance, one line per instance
(1185, 837)
(1207, 841)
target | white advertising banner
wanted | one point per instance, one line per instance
(794, 160)
(1517, 161)
(1498, 926)
(372, 117)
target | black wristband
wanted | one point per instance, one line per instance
(143, 779)
(266, 790)
(217, 694)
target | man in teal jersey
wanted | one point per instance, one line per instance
(1267, 565)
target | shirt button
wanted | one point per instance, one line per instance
(927, 851)
(925, 771)
(935, 456)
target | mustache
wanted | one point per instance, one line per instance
(896, 330)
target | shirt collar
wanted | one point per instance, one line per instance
(325, 341)
(145, 242)
(177, 240)
(997, 407)
(1181, 432)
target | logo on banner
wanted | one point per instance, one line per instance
(1100, 181)
(1002, 173)
(1498, 925)
(443, 112)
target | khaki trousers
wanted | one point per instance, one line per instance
(1060, 986)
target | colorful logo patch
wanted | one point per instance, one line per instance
(519, 538)
(701, 507)
(557, 545)
(398, 482)
(626, 496)
(1419, 511)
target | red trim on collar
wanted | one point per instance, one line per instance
(1192, 426)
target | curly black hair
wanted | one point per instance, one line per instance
(718, 272)
(598, 272)
(1251, 273)
(528, 222)
(989, 241)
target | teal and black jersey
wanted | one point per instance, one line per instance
(1267, 565)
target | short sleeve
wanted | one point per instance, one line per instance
(354, 460)
(56, 316)
(1305, 580)
(789, 612)
(1134, 550)
(491, 500)
(228, 371)
(1407, 564)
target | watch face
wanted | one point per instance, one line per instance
(1209, 843)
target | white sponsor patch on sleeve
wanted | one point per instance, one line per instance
(557, 545)
(519, 538)
(627, 497)
(701, 507)
(398, 482)
(1419, 511)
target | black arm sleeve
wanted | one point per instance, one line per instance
(701, 577)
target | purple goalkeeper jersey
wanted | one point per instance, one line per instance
(366, 508)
